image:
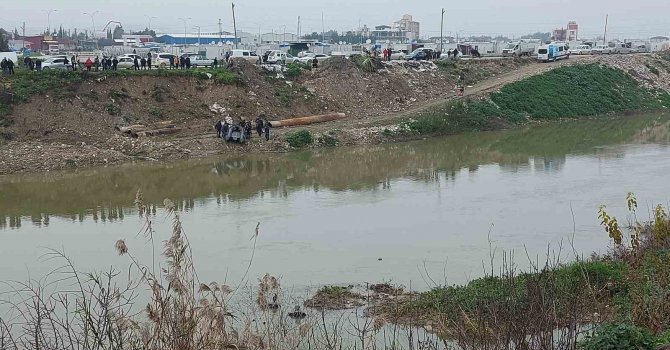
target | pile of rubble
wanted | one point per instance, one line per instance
(652, 71)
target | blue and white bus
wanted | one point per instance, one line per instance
(553, 52)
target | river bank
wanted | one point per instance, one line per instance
(80, 132)
(423, 218)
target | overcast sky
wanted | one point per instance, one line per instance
(627, 18)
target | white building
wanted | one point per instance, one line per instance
(409, 26)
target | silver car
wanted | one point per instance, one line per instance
(55, 63)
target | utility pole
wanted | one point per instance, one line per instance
(150, 18)
(442, 31)
(220, 30)
(184, 20)
(323, 29)
(49, 18)
(23, 38)
(605, 36)
(234, 25)
(92, 15)
(299, 37)
(198, 27)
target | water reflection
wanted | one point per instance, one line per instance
(106, 194)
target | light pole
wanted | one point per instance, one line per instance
(442, 31)
(198, 28)
(150, 18)
(92, 15)
(184, 20)
(49, 18)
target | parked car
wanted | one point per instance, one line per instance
(398, 54)
(278, 57)
(308, 58)
(199, 60)
(601, 50)
(55, 63)
(163, 59)
(419, 54)
(131, 55)
(245, 55)
(125, 62)
(581, 50)
(624, 48)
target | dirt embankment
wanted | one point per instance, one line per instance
(75, 126)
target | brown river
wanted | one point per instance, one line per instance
(417, 213)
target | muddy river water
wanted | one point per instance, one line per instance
(414, 213)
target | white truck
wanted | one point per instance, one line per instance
(520, 48)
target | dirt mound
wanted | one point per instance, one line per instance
(339, 64)
(335, 298)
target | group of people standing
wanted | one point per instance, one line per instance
(183, 62)
(106, 63)
(263, 128)
(7, 66)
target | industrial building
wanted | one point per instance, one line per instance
(197, 39)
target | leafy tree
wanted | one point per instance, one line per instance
(146, 31)
(118, 32)
(4, 44)
(538, 35)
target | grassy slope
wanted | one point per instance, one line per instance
(21, 86)
(565, 92)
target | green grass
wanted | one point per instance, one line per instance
(367, 63)
(565, 92)
(294, 69)
(26, 84)
(299, 138)
(564, 281)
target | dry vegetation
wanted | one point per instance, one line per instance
(620, 298)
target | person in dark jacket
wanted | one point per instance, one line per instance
(266, 129)
(219, 128)
(137, 63)
(149, 60)
(115, 63)
(215, 64)
(96, 63)
(143, 62)
(38, 65)
(188, 62)
(74, 63)
(10, 67)
(259, 126)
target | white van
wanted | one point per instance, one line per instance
(278, 57)
(553, 52)
(245, 55)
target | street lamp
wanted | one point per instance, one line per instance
(198, 28)
(49, 18)
(92, 15)
(184, 20)
(150, 18)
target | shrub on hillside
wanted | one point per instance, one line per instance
(619, 337)
(299, 138)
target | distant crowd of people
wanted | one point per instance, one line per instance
(225, 127)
